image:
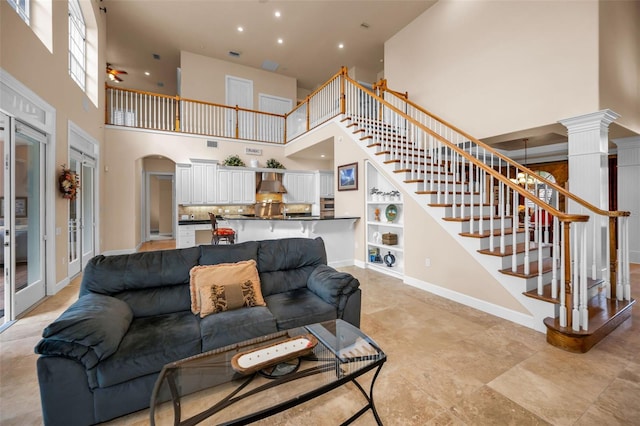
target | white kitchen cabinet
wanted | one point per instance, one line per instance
(184, 183)
(326, 182)
(235, 186)
(186, 236)
(204, 182)
(301, 188)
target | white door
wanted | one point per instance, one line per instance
(239, 92)
(270, 128)
(22, 216)
(88, 200)
(75, 219)
(82, 217)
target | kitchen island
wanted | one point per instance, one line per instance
(335, 231)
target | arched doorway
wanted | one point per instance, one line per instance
(158, 198)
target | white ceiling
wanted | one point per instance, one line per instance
(311, 31)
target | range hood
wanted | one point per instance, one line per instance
(269, 182)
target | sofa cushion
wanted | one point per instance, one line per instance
(231, 327)
(157, 300)
(90, 330)
(220, 298)
(214, 254)
(223, 274)
(113, 275)
(299, 307)
(286, 264)
(150, 343)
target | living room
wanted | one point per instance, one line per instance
(117, 188)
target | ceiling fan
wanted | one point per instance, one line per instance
(113, 73)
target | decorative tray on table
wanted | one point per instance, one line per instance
(259, 358)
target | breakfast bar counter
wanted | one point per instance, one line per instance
(333, 230)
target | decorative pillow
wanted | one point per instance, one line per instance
(224, 274)
(219, 298)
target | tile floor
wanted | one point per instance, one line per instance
(447, 364)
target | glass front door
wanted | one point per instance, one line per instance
(22, 217)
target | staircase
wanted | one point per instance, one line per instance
(516, 218)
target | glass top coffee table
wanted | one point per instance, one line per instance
(207, 386)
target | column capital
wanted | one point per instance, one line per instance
(628, 143)
(598, 120)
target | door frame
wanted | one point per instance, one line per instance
(231, 114)
(87, 147)
(21, 103)
(146, 217)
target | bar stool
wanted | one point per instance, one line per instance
(220, 234)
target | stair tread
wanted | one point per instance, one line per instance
(547, 266)
(484, 234)
(601, 311)
(546, 291)
(423, 192)
(468, 218)
(508, 249)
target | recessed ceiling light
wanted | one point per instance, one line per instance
(277, 14)
(341, 46)
(240, 29)
(321, 155)
(280, 41)
(147, 73)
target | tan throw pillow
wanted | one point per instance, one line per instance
(220, 298)
(224, 274)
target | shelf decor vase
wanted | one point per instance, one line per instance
(391, 212)
(389, 259)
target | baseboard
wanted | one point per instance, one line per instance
(490, 308)
(359, 263)
(117, 252)
(341, 263)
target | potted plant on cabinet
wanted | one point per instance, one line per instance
(234, 161)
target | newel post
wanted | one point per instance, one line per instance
(177, 117)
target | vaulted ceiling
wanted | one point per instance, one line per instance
(147, 36)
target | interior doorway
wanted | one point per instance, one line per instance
(159, 199)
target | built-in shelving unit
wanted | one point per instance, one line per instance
(378, 224)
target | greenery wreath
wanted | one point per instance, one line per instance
(69, 183)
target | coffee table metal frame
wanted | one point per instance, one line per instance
(327, 362)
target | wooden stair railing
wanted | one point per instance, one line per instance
(478, 186)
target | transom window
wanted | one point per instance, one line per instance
(22, 7)
(77, 44)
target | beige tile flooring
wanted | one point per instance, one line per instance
(447, 364)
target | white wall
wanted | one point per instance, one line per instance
(493, 67)
(203, 79)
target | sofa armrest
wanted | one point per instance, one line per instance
(89, 331)
(332, 286)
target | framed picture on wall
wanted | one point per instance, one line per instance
(348, 177)
(21, 207)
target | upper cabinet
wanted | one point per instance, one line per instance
(326, 182)
(183, 183)
(204, 182)
(236, 186)
(301, 188)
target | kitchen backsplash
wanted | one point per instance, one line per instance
(202, 212)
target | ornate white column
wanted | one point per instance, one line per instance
(629, 189)
(589, 177)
